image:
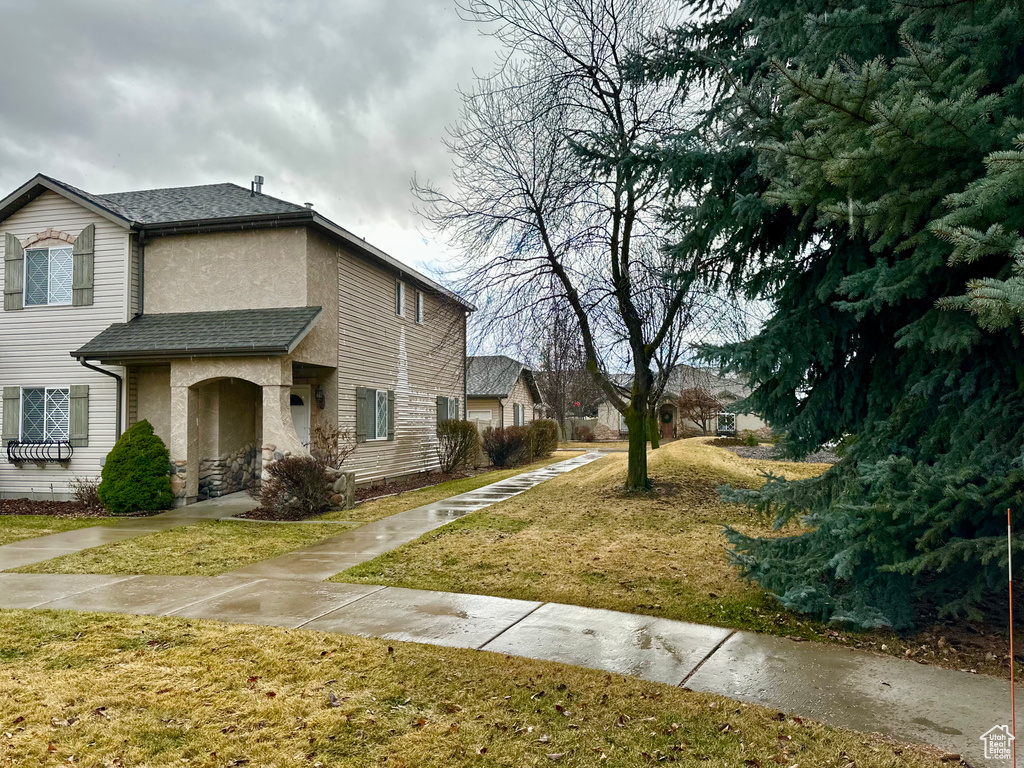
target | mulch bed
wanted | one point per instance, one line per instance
(70, 509)
(774, 453)
(50, 508)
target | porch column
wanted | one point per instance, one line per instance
(279, 437)
(184, 447)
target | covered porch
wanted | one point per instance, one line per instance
(222, 389)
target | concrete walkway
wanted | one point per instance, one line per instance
(30, 551)
(852, 689)
(329, 556)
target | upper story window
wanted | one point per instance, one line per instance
(419, 307)
(48, 276)
(400, 298)
(45, 413)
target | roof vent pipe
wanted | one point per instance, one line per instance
(256, 188)
(308, 205)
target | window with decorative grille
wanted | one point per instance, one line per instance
(381, 414)
(45, 413)
(48, 276)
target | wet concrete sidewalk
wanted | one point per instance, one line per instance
(36, 550)
(329, 556)
(853, 689)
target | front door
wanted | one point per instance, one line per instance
(300, 412)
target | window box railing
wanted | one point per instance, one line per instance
(39, 452)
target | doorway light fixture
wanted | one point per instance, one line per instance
(321, 398)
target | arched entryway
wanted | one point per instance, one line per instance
(230, 412)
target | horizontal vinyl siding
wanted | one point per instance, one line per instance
(520, 395)
(380, 350)
(486, 404)
(35, 342)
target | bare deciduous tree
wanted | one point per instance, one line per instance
(699, 406)
(549, 203)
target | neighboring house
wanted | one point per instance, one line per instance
(611, 424)
(500, 392)
(236, 323)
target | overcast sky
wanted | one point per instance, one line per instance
(337, 103)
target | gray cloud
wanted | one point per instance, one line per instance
(338, 103)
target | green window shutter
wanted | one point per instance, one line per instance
(14, 274)
(82, 270)
(391, 415)
(361, 410)
(442, 408)
(12, 414)
(458, 410)
(79, 431)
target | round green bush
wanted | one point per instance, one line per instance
(136, 476)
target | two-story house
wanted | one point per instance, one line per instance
(234, 322)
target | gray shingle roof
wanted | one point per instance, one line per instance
(273, 331)
(495, 376)
(208, 207)
(208, 201)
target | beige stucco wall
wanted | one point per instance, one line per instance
(238, 414)
(154, 398)
(226, 270)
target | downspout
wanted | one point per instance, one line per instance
(142, 271)
(465, 367)
(120, 387)
(501, 414)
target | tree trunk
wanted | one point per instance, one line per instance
(636, 473)
(654, 431)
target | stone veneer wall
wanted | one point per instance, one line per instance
(178, 476)
(228, 473)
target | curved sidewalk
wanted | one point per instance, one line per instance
(848, 688)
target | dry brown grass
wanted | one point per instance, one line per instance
(96, 690)
(578, 539)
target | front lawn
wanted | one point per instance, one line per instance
(211, 548)
(17, 527)
(102, 690)
(207, 548)
(578, 539)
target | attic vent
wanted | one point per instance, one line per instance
(257, 186)
(308, 205)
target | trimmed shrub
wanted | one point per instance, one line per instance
(456, 444)
(750, 439)
(584, 434)
(137, 474)
(296, 486)
(506, 447)
(543, 437)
